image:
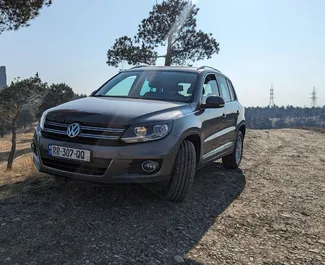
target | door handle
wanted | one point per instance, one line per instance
(224, 115)
(238, 112)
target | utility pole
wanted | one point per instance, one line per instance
(313, 98)
(271, 104)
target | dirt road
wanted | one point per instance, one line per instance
(270, 212)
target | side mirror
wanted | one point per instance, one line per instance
(214, 102)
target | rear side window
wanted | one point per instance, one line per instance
(231, 90)
(224, 88)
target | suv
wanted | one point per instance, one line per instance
(145, 125)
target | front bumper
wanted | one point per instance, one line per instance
(122, 164)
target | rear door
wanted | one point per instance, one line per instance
(213, 125)
(231, 109)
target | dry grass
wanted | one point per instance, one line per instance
(23, 168)
(23, 141)
(23, 165)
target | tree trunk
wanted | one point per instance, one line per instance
(13, 144)
(168, 58)
(2, 132)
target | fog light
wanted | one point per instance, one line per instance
(149, 166)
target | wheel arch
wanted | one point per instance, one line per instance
(194, 136)
(242, 127)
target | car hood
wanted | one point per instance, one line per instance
(117, 111)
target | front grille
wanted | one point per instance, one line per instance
(88, 134)
(97, 167)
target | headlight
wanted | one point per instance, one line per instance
(147, 132)
(42, 120)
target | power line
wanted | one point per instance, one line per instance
(313, 98)
(271, 104)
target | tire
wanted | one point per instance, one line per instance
(233, 160)
(183, 173)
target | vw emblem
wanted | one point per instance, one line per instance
(73, 130)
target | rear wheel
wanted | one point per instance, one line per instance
(183, 172)
(233, 160)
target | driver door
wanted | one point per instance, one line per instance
(213, 124)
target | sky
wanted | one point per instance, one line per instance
(279, 42)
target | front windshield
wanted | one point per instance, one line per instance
(154, 85)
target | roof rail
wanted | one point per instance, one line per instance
(139, 66)
(204, 66)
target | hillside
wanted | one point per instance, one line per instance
(269, 212)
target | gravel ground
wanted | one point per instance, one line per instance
(269, 212)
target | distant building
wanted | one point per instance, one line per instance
(3, 77)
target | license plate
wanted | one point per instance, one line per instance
(69, 153)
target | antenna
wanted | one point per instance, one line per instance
(271, 104)
(313, 98)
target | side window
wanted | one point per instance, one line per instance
(231, 90)
(122, 88)
(210, 87)
(224, 88)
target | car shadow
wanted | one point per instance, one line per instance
(80, 223)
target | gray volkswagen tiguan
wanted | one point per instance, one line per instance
(145, 125)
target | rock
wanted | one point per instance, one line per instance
(287, 215)
(179, 259)
(16, 219)
(159, 252)
(8, 258)
(321, 241)
(49, 223)
(3, 224)
(314, 250)
(251, 258)
(305, 213)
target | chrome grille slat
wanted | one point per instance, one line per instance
(97, 136)
(56, 124)
(113, 130)
(55, 131)
(87, 132)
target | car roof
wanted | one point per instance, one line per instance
(199, 70)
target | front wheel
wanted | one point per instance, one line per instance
(233, 160)
(183, 172)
